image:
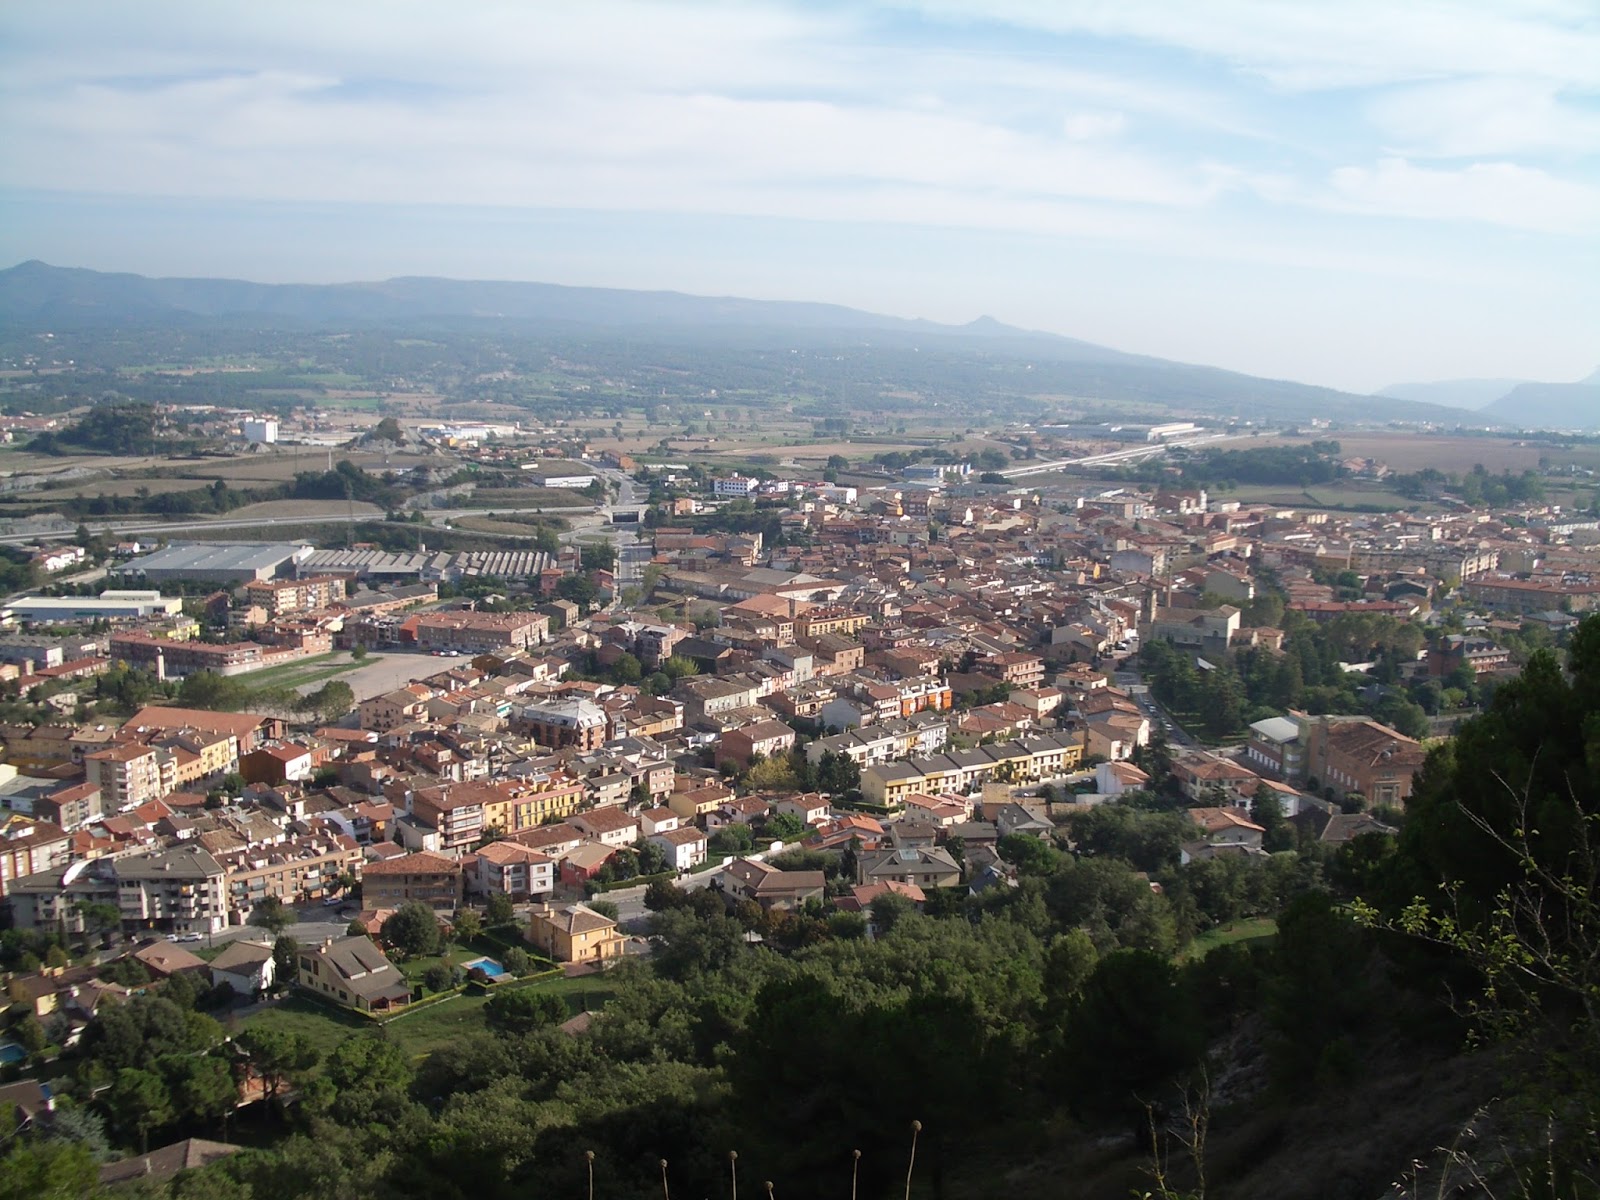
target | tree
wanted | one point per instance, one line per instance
(514, 1013)
(1030, 855)
(367, 1062)
(770, 775)
(1318, 960)
(663, 894)
(355, 929)
(837, 773)
(276, 1055)
(1131, 1030)
(1266, 810)
(652, 859)
(438, 978)
(413, 930)
(468, 925)
(499, 910)
(359, 654)
(330, 702)
(273, 915)
(29, 1034)
(732, 838)
(579, 589)
(606, 908)
(141, 1102)
(285, 959)
(48, 1169)
(517, 961)
(678, 667)
(202, 1088)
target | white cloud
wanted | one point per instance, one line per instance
(1492, 193)
(1482, 117)
(1088, 126)
(1332, 45)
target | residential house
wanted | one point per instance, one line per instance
(769, 739)
(923, 866)
(518, 871)
(608, 826)
(247, 967)
(810, 807)
(575, 933)
(1224, 830)
(685, 848)
(748, 879)
(355, 973)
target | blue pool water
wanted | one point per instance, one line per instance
(487, 965)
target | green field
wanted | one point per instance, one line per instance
(322, 1024)
(528, 497)
(422, 1031)
(1250, 929)
(317, 669)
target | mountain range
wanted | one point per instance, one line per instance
(38, 296)
(1520, 403)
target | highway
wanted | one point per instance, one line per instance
(143, 526)
(1114, 457)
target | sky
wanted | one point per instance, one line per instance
(1345, 192)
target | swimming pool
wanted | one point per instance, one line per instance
(487, 965)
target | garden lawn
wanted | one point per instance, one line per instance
(323, 1025)
(427, 1028)
(1247, 929)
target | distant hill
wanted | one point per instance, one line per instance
(1454, 393)
(1550, 405)
(37, 296)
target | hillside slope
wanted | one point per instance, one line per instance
(37, 296)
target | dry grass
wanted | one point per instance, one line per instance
(288, 509)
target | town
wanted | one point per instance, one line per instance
(301, 784)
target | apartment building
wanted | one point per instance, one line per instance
(525, 806)
(579, 724)
(295, 871)
(1360, 755)
(71, 807)
(249, 730)
(520, 872)
(392, 709)
(28, 847)
(423, 877)
(127, 774)
(167, 658)
(481, 633)
(176, 891)
(282, 596)
(1013, 667)
(608, 826)
(455, 811)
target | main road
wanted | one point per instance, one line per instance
(1116, 457)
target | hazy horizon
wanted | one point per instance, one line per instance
(1356, 197)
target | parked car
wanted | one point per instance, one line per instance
(191, 937)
